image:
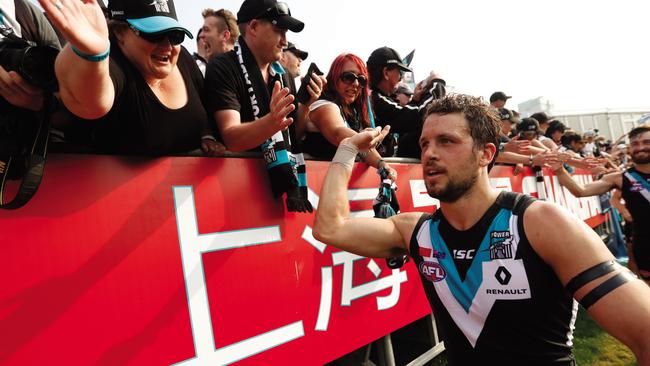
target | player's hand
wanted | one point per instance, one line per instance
(368, 138)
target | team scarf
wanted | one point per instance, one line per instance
(285, 163)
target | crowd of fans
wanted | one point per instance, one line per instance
(127, 86)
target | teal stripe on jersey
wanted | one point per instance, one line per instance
(465, 291)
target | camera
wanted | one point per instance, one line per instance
(32, 62)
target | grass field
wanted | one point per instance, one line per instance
(591, 346)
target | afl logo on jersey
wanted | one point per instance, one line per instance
(433, 271)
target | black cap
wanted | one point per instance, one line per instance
(499, 96)
(541, 117)
(555, 126)
(528, 124)
(505, 114)
(147, 16)
(278, 13)
(298, 52)
(386, 56)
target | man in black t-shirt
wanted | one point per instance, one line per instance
(229, 98)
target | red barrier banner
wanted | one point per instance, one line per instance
(189, 261)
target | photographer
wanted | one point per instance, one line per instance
(28, 47)
(24, 20)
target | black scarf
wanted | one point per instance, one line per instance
(285, 163)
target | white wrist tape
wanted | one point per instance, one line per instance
(345, 155)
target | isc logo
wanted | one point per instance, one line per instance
(433, 271)
(464, 254)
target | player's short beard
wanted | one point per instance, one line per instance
(639, 160)
(454, 189)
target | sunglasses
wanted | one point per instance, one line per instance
(279, 9)
(349, 77)
(175, 37)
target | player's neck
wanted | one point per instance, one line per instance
(643, 168)
(468, 210)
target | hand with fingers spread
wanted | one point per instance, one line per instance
(281, 106)
(19, 92)
(81, 22)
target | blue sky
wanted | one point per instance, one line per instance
(578, 54)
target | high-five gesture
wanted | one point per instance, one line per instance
(82, 23)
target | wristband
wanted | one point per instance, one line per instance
(345, 155)
(93, 58)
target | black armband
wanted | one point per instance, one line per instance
(588, 275)
(604, 288)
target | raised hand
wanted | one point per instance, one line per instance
(518, 146)
(82, 23)
(369, 138)
(281, 106)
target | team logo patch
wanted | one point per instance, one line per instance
(636, 187)
(433, 271)
(161, 6)
(500, 245)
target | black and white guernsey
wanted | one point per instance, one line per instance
(494, 299)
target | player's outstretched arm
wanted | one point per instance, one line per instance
(611, 294)
(362, 236)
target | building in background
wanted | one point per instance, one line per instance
(611, 123)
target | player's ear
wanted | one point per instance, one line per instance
(487, 153)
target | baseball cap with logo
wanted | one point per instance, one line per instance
(277, 12)
(386, 56)
(505, 114)
(528, 125)
(291, 47)
(147, 16)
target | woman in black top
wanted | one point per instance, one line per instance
(145, 98)
(342, 111)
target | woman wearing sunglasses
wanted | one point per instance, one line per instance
(132, 77)
(342, 111)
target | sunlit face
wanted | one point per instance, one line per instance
(153, 60)
(640, 148)
(557, 136)
(291, 63)
(349, 92)
(506, 126)
(499, 103)
(577, 146)
(215, 41)
(271, 40)
(450, 163)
